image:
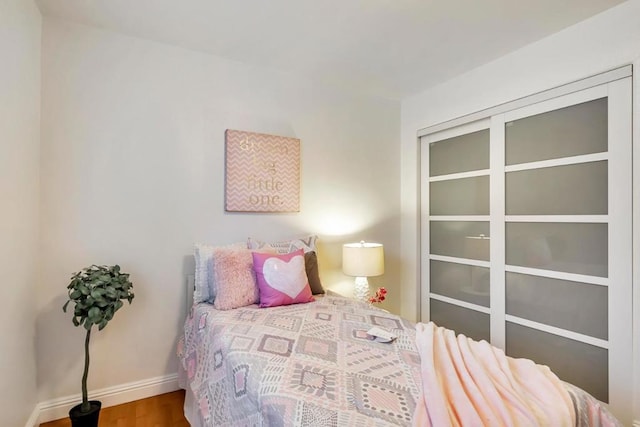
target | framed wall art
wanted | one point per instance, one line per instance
(262, 172)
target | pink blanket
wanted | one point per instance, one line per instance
(471, 383)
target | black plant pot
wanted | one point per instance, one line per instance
(85, 419)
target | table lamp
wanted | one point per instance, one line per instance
(362, 260)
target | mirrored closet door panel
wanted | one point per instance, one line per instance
(526, 234)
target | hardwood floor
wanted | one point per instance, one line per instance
(164, 410)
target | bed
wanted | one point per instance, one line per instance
(303, 364)
(313, 364)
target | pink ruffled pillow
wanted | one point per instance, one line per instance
(282, 279)
(233, 278)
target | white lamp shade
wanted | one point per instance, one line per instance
(363, 259)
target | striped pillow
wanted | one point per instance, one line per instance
(307, 244)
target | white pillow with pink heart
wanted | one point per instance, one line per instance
(282, 279)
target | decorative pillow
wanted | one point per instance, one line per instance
(282, 279)
(307, 244)
(203, 286)
(311, 267)
(234, 282)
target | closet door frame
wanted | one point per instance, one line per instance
(619, 219)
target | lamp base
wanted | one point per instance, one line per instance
(362, 289)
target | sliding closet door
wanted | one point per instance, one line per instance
(568, 237)
(456, 197)
(526, 235)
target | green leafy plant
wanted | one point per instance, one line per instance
(98, 292)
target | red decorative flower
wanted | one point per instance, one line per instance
(379, 296)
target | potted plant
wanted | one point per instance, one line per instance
(97, 292)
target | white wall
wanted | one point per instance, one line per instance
(606, 41)
(133, 173)
(19, 182)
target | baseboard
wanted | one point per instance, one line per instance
(59, 408)
(34, 418)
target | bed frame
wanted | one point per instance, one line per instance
(191, 287)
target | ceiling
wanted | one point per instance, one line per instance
(392, 48)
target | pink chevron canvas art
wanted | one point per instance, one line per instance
(262, 172)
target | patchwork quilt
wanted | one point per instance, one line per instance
(303, 364)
